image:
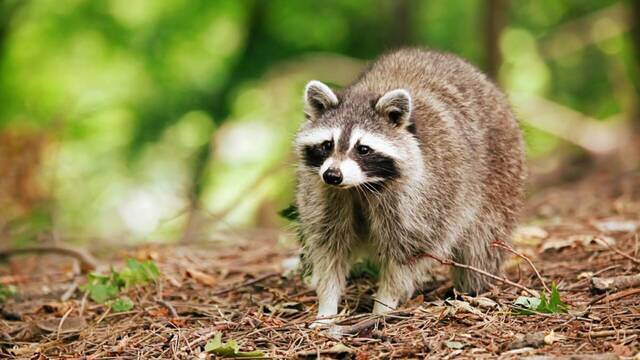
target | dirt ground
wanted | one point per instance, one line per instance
(575, 234)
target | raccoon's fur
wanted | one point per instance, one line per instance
(421, 154)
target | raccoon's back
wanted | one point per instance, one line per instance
(469, 137)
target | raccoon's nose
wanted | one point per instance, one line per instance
(332, 176)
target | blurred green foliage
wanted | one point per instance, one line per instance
(151, 108)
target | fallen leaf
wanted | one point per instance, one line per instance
(284, 308)
(480, 301)
(555, 244)
(229, 348)
(455, 345)
(464, 306)
(71, 324)
(178, 322)
(531, 340)
(616, 225)
(336, 350)
(623, 351)
(549, 338)
(202, 278)
(161, 312)
(585, 275)
(529, 235)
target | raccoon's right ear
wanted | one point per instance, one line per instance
(318, 98)
(396, 105)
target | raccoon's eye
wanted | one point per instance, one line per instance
(327, 145)
(363, 149)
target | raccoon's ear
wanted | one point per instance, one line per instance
(318, 98)
(396, 106)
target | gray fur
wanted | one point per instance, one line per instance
(460, 184)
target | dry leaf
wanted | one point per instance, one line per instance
(529, 234)
(455, 345)
(555, 244)
(481, 302)
(616, 225)
(202, 278)
(549, 338)
(71, 324)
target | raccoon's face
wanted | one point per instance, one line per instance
(355, 139)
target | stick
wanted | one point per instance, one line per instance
(615, 283)
(479, 271)
(87, 260)
(166, 304)
(605, 333)
(621, 294)
(365, 324)
(618, 251)
(505, 246)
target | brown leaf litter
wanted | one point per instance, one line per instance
(240, 291)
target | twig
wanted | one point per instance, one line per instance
(64, 318)
(601, 284)
(70, 291)
(618, 251)
(502, 245)
(87, 260)
(246, 283)
(620, 295)
(606, 333)
(365, 324)
(170, 307)
(479, 271)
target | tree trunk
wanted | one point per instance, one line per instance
(494, 21)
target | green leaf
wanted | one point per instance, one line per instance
(121, 304)
(526, 305)
(555, 302)
(230, 348)
(102, 288)
(100, 293)
(138, 273)
(290, 213)
(531, 305)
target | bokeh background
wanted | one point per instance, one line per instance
(129, 121)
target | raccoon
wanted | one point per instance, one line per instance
(421, 154)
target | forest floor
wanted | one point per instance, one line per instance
(577, 235)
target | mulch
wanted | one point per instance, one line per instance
(572, 233)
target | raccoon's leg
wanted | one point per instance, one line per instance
(474, 249)
(328, 278)
(398, 282)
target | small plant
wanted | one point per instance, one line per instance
(7, 291)
(532, 305)
(229, 348)
(121, 304)
(104, 288)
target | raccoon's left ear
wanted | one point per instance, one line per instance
(318, 98)
(396, 106)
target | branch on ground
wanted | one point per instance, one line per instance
(479, 271)
(600, 284)
(87, 261)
